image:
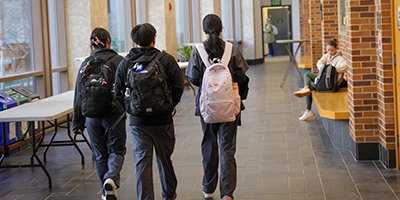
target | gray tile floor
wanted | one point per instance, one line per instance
(278, 157)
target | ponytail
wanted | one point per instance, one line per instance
(212, 25)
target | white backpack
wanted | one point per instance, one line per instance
(274, 30)
(217, 100)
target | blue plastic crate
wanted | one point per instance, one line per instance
(11, 128)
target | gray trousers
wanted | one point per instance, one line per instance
(225, 133)
(108, 149)
(162, 138)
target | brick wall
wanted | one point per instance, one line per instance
(305, 27)
(384, 76)
(370, 73)
(329, 24)
(360, 31)
(315, 33)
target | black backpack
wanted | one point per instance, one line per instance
(327, 79)
(147, 92)
(97, 88)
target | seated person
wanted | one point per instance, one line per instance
(334, 57)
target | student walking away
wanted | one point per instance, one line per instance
(203, 62)
(149, 84)
(334, 58)
(269, 37)
(95, 105)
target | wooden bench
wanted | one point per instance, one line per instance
(332, 105)
(304, 62)
(334, 111)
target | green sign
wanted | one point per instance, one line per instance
(276, 2)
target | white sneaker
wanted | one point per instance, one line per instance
(208, 196)
(103, 197)
(111, 190)
(303, 92)
(306, 115)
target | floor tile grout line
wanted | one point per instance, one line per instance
(348, 171)
(391, 189)
(316, 165)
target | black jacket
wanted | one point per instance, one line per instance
(78, 120)
(174, 78)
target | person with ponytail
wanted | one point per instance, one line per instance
(108, 147)
(224, 132)
(334, 57)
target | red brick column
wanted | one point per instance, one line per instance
(361, 46)
(329, 24)
(315, 33)
(384, 76)
(305, 27)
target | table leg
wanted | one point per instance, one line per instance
(293, 62)
(41, 139)
(51, 140)
(72, 139)
(34, 155)
(84, 139)
(290, 65)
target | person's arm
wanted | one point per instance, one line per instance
(322, 61)
(268, 28)
(240, 67)
(78, 120)
(341, 65)
(175, 79)
(193, 69)
(119, 85)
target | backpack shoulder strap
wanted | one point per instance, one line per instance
(227, 53)
(317, 79)
(226, 57)
(159, 55)
(203, 54)
(161, 67)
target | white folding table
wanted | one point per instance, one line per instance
(48, 109)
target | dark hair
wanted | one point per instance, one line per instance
(143, 34)
(333, 43)
(99, 37)
(212, 25)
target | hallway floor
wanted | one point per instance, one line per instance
(278, 156)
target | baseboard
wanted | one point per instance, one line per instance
(255, 62)
(388, 157)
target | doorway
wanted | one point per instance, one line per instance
(281, 18)
(396, 51)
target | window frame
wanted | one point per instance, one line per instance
(42, 69)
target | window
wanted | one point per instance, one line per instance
(16, 46)
(227, 18)
(342, 17)
(140, 11)
(58, 45)
(117, 25)
(180, 13)
(231, 20)
(28, 55)
(187, 26)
